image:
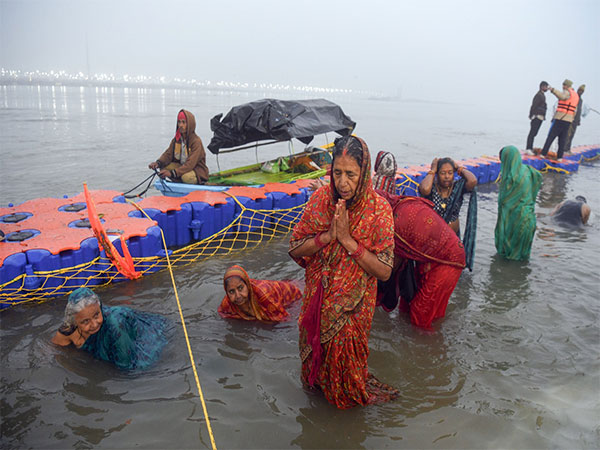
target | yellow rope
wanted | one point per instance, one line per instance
(548, 168)
(187, 340)
(400, 187)
(250, 228)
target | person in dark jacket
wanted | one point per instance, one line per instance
(185, 159)
(577, 120)
(572, 213)
(537, 113)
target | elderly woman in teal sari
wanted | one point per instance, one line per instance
(127, 338)
(516, 223)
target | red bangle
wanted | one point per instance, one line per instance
(359, 252)
(318, 240)
(459, 170)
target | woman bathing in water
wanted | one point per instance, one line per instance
(445, 193)
(127, 338)
(262, 300)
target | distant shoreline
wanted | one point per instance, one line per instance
(59, 79)
(408, 100)
(264, 90)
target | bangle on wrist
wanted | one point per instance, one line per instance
(431, 172)
(459, 170)
(173, 174)
(358, 252)
(318, 241)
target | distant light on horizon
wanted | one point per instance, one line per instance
(9, 76)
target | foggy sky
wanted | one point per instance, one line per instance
(464, 51)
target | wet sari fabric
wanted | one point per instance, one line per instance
(423, 236)
(385, 172)
(516, 222)
(129, 339)
(449, 210)
(345, 292)
(268, 299)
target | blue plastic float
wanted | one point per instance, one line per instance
(60, 252)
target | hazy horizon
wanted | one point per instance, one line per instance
(465, 51)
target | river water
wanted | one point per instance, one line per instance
(514, 364)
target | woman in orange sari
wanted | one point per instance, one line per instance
(261, 300)
(345, 242)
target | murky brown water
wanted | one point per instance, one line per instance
(514, 364)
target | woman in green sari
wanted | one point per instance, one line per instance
(516, 223)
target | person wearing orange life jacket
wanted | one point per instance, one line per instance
(563, 117)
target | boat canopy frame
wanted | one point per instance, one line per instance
(256, 145)
(276, 121)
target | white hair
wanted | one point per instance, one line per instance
(75, 307)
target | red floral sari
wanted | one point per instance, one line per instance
(423, 236)
(268, 299)
(342, 295)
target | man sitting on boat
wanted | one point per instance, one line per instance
(184, 161)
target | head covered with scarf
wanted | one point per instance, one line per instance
(267, 299)
(318, 218)
(516, 222)
(516, 179)
(228, 306)
(385, 172)
(235, 271)
(180, 116)
(335, 283)
(357, 149)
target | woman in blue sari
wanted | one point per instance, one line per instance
(127, 338)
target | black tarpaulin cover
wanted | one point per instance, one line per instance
(279, 120)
